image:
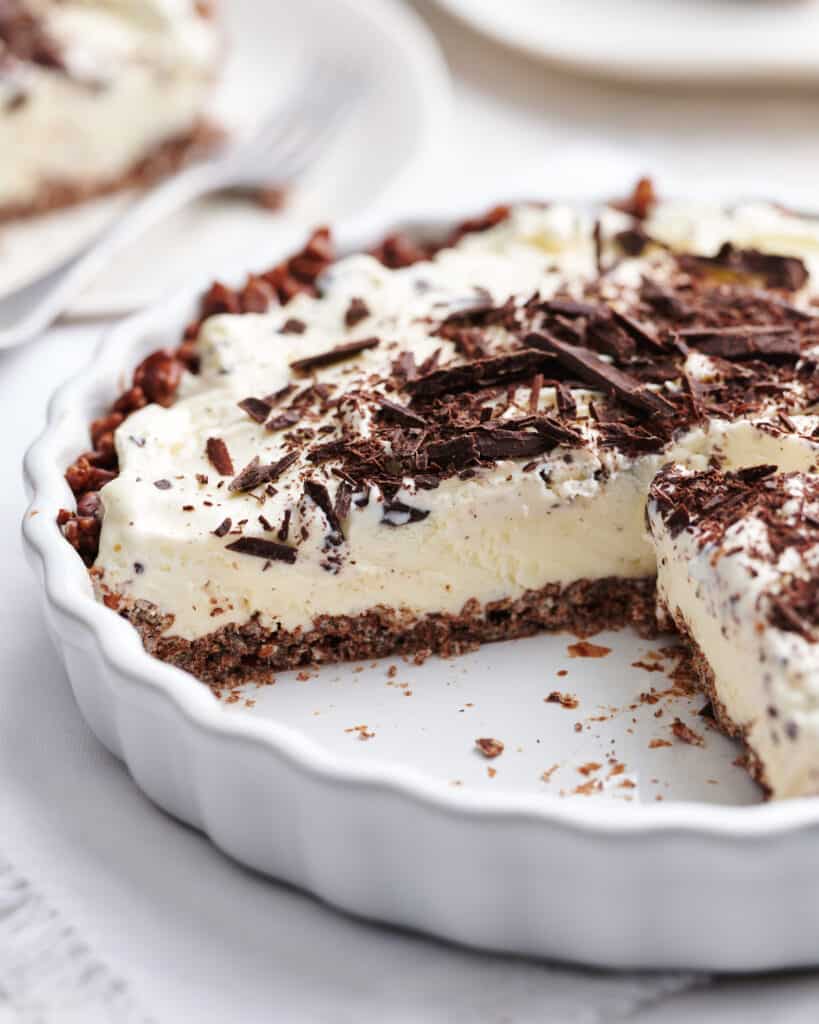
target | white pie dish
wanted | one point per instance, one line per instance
(660, 885)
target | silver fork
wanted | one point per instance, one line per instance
(286, 143)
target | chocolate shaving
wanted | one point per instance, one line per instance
(566, 404)
(599, 374)
(255, 474)
(399, 413)
(454, 453)
(260, 547)
(334, 355)
(786, 272)
(329, 450)
(570, 308)
(219, 456)
(321, 496)
(430, 363)
(474, 309)
(343, 501)
(745, 342)
(286, 419)
(557, 431)
(256, 408)
(639, 332)
(497, 443)
(534, 392)
(482, 373)
(284, 529)
(396, 513)
(604, 335)
(662, 300)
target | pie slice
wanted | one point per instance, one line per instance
(738, 575)
(100, 94)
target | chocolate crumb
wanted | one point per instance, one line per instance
(357, 311)
(223, 527)
(489, 747)
(565, 700)
(686, 734)
(585, 649)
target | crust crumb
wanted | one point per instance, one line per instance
(489, 747)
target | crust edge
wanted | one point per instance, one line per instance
(239, 653)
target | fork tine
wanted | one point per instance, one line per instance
(319, 83)
(311, 146)
(294, 133)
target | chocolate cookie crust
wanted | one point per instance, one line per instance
(704, 675)
(235, 654)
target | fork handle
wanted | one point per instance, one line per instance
(29, 310)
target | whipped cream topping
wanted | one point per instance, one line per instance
(724, 592)
(575, 511)
(134, 74)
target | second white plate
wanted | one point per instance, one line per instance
(754, 40)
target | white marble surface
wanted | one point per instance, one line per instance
(160, 926)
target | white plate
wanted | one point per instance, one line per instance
(715, 40)
(403, 110)
(680, 867)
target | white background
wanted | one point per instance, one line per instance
(158, 925)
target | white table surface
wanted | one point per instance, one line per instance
(111, 911)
